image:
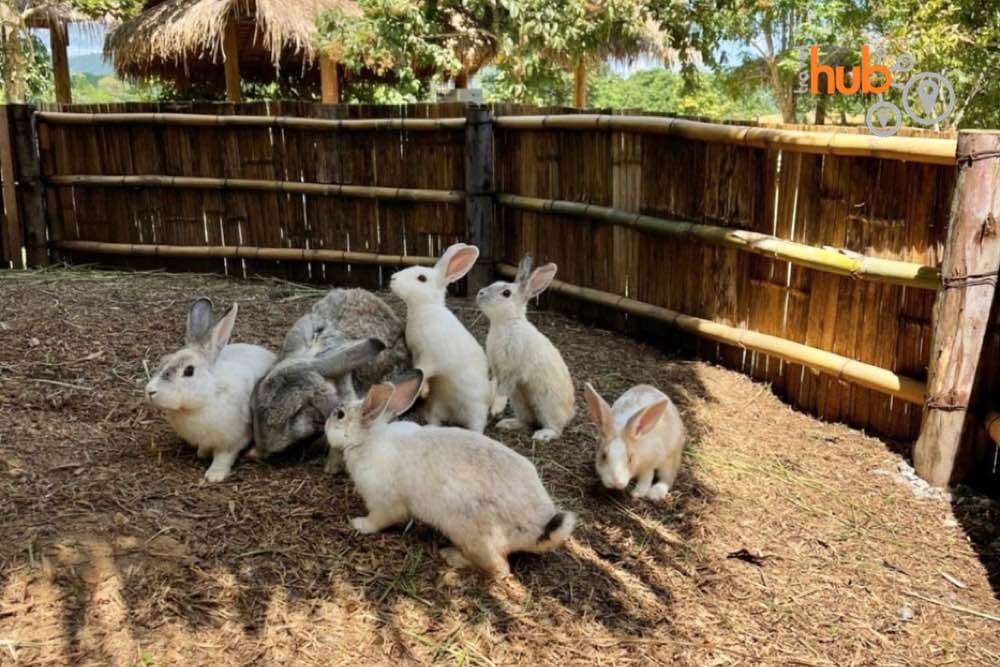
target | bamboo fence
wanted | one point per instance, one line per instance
(244, 252)
(291, 122)
(841, 368)
(918, 149)
(824, 259)
(323, 189)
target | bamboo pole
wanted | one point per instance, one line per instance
(206, 120)
(822, 259)
(204, 183)
(916, 149)
(243, 252)
(842, 368)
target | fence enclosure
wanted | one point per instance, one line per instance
(766, 239)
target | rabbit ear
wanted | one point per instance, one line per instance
(406, 393)
(524, 270)
(376, 402)
(219, 336)
(599, 410)
(540, 279)
(456, 261)
(199, 321)
(345, 359)
(645, 420)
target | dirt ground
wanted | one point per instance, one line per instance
(788, 541)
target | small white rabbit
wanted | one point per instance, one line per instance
(486, 498)
(454, 366)
(526, 366)
(204, 388)
(640, 435)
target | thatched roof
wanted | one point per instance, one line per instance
(181, 40)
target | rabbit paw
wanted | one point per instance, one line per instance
(215, 475)
(254, 454)
(363, 525)
(658, 491)
(498, 406)
(509, 424)
(454, 557)
(544, 435)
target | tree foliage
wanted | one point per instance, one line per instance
(529, 43)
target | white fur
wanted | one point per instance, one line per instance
(486, 498)
(453, 363)
(623, 454)
(211, 409)
(525, 365)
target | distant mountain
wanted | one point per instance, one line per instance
(89, 63)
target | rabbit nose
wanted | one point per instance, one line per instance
(150, 393)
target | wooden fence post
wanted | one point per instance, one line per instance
(29, 184)
(480, 215)
(962, 309)
(11, 234)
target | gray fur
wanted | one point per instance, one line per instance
(349, 340)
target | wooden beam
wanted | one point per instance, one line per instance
(231, 56)
(580, 85)
(329, 80)
(962, 310)
(59, 40)
(480, 214)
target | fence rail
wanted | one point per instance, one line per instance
(808, 259)
(919, 149)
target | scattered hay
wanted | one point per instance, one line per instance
(782, 545)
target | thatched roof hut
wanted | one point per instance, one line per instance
(55, 17)
(220, 42)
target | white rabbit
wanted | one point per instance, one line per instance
(640, 435)
(486, 498)
(525, 365)
(453, 363)
(204, 388)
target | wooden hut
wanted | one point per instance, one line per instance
(219, 43)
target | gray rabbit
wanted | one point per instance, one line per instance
(348, 341)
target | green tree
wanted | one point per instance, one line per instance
(530, 43)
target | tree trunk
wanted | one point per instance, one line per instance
(580, 85)
(329, 80)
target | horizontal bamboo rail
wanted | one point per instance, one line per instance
(243, 252)
(842, 368)
(198, 182)
(207, 120)
(823, 259)
(915, 149)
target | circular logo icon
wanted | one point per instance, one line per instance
(884, 119)
(924, 94)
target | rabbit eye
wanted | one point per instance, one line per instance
(506, 292)
(422, 278)
(188, 371)
(340, 414)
